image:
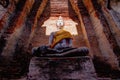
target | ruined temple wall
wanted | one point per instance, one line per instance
(113, 17)
(20, 27)
(39, 37)
(22, 23)
(14, 27)
(106, 50)
(21, 30)
(78, 40)
(82, 26)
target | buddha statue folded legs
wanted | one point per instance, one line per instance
(66, 52)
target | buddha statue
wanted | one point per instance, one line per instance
(60, 44)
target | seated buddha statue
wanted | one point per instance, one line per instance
(60, 44)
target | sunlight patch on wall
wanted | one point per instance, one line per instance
(70, 25)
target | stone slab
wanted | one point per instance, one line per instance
(61, 68)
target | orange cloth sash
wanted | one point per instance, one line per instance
(60, 35)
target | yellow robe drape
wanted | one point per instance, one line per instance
(60, 35)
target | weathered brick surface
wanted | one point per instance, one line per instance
(45, 68)
(104, 79)
(59, 7)
(14, 17)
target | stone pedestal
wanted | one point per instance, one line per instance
(61, 68)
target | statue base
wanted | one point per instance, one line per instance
(61, 68)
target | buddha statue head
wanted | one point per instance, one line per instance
(60, 23)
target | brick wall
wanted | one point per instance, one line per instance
(59, 7)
